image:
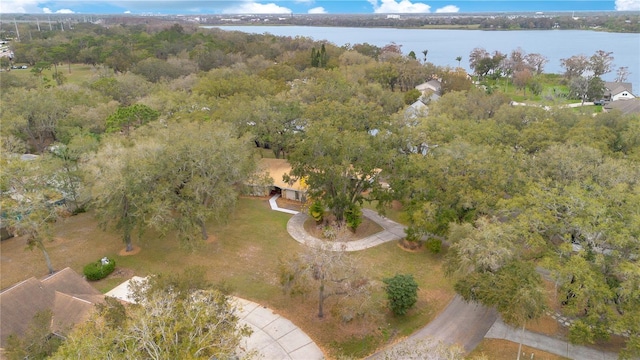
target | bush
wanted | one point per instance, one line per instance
(434, 245)
(100, 269)
(353, 215)
(402, 293)
(316, 210)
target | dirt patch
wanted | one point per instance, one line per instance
(124, 252)
(121, 273)
(289, 204)
(410, 246)
(211, 239)
(342, 233)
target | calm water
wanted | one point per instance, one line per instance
(445, 45)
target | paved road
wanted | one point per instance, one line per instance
(460, 323)
(273, 337)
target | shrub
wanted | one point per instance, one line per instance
(100, 269)
(402, 293)
(434, 245)
(353, 215)
(316, 210)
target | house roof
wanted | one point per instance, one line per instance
(615, 88)
(433, 85)
(630, 106)
(276, 168)
(65, 293)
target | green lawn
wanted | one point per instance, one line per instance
(74, 74)
(244, 256)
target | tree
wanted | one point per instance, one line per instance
(122, 181)
(515, 290)
(536, 62)
(190, 323)
(39, 67)
(30, 205)
(34, 115)
(458, 59)
(333, 273)
(199, 171)
(37, 342)
(622, 74)
(126, 118)
(456, 80)
(601, 62)
(575, 66)
(68, 172)
(339, 158)
(521, 79)
(402, 293)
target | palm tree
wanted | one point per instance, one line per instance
(458, 59)
(425, 52)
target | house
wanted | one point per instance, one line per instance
(272, 172)
(415, 110)
(615, 91)
(431, 86)
(68, 295)
(631, 106)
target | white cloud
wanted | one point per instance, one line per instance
(448, 9)
(399, 7)
(65, 11)
(47, 10)
(251, 7)
(128, 12)
(317, 10)
(628, 5)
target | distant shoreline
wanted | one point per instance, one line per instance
(426, 27)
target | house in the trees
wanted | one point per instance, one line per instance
(631, 106)
(68, 296)
(429, 87)
(269, 180)
(615, 91)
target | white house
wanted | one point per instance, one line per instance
(615, 91)
(431, 86)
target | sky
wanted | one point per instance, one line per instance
(190, 7)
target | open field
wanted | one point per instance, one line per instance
(244, 255)
(73, 74)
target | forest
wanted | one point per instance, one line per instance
(170, 120)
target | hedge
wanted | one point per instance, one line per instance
(97, 271)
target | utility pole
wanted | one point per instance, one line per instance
(38, 23)
(50, 27)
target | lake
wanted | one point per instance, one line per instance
(445, 45)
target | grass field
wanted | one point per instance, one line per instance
(244, 255)
(74, 74)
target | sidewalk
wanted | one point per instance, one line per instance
(500, 330)
(392, 231)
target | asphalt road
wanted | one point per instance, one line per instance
(460, 323)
